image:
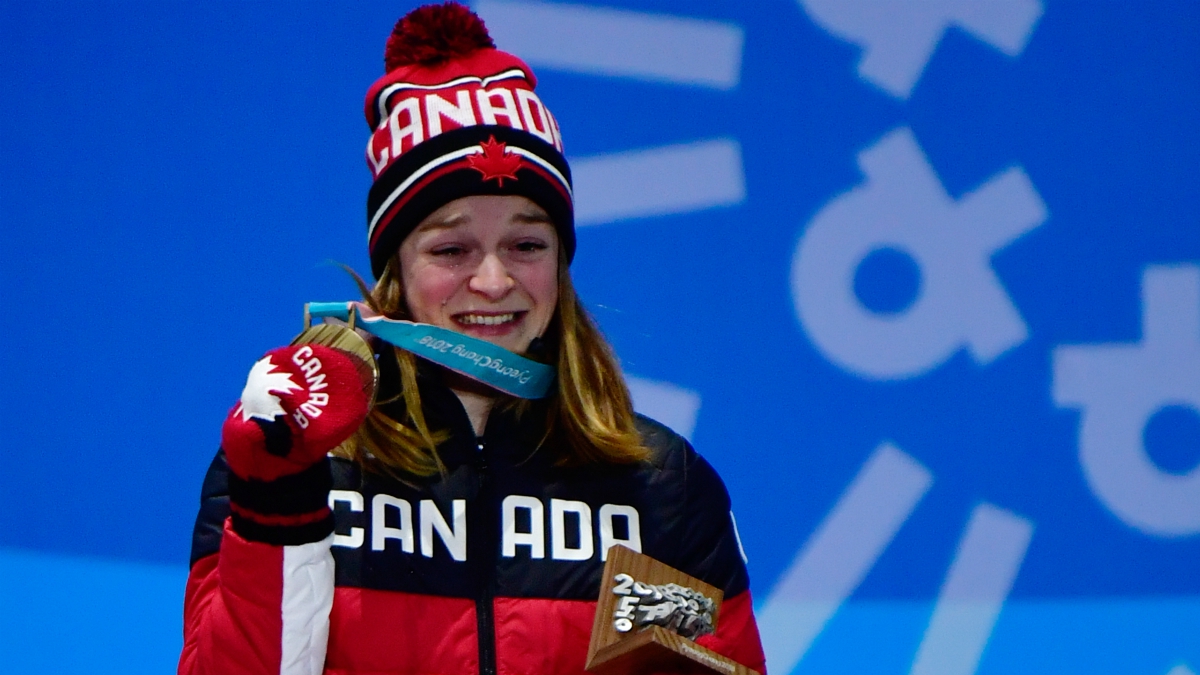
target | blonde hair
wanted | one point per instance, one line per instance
(589, 418)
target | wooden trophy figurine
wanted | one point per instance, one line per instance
(647, 617)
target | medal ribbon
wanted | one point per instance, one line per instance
(477, 359)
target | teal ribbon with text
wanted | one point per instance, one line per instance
(478, 359)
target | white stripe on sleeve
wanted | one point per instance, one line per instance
(307, 600)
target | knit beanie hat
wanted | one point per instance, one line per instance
(454, 117)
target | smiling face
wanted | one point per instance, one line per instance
(486, 266)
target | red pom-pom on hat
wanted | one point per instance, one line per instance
(431, 34)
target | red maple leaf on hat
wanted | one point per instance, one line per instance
(495, 161)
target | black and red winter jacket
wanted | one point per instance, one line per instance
(492, 568)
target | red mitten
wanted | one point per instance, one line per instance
(299, 403)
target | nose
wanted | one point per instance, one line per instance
(491, 279)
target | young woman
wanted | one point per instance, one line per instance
(452, 528)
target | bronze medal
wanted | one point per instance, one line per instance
(345, 339)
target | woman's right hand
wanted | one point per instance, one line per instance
(299, 403)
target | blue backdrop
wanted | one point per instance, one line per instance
(922, 280)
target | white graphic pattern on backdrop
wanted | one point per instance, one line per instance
(617, 43)
(839, 553)
(1118, 387)
(852, 537)
(903, 206)
(658, 181)
(898, 38)
(985, 565)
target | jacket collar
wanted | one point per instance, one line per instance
(506, 436)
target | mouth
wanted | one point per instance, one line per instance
(489, 323)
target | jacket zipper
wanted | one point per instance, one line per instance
(485, 554)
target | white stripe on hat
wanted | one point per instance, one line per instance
(450, 157)
(387, 91)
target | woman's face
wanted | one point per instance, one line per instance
(486, 266)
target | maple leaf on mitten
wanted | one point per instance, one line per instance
(299, 403)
